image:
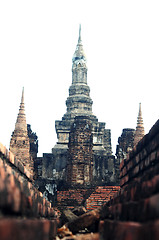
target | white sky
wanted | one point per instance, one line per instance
(37, 42)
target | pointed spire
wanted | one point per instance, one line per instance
(79, 54)
(21, 118)
(140, 119)
(19, 143)
(140, 132)
(79, 38)
(140, 108)
(22, 98)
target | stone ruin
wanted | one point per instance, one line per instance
(82, 167)
(82, 156)
(24, 143)
(96, 164)
(79, 168)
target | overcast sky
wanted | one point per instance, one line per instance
(37, 42)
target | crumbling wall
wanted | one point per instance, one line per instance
(134, 213)
(80, 154)
(125, 143)
(21, 205)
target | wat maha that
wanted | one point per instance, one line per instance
(82, 159)
(80, 190)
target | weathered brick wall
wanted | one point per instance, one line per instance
(80, 153)
(134, 212)
(33, 139)
(21, 205)
(90, 198)
(72, 197)
(142, 159)
(125, 143)
(100, 196)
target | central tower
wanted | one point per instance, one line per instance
(79, 103)
(79, 106)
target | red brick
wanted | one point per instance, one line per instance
(112, 230)
(18, 229)
(155, 228)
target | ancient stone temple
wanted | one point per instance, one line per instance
(19, 143)
(23, 143)
(79, 103)
(140, 132)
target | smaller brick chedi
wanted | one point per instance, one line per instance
(19, 143)
(24, 143)
(140, 132)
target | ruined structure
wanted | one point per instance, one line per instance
(125, 143)
(80, 154)
(25, 213)
(19, 143)
(129, 139)
(23, 143)
(33, 140)
(79, 104)
(133, 213)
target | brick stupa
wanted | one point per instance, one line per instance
(19, 143)
(140, 132)
(79, 104)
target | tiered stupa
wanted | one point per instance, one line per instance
(79, 103)
(19, 143)
(140, 132)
